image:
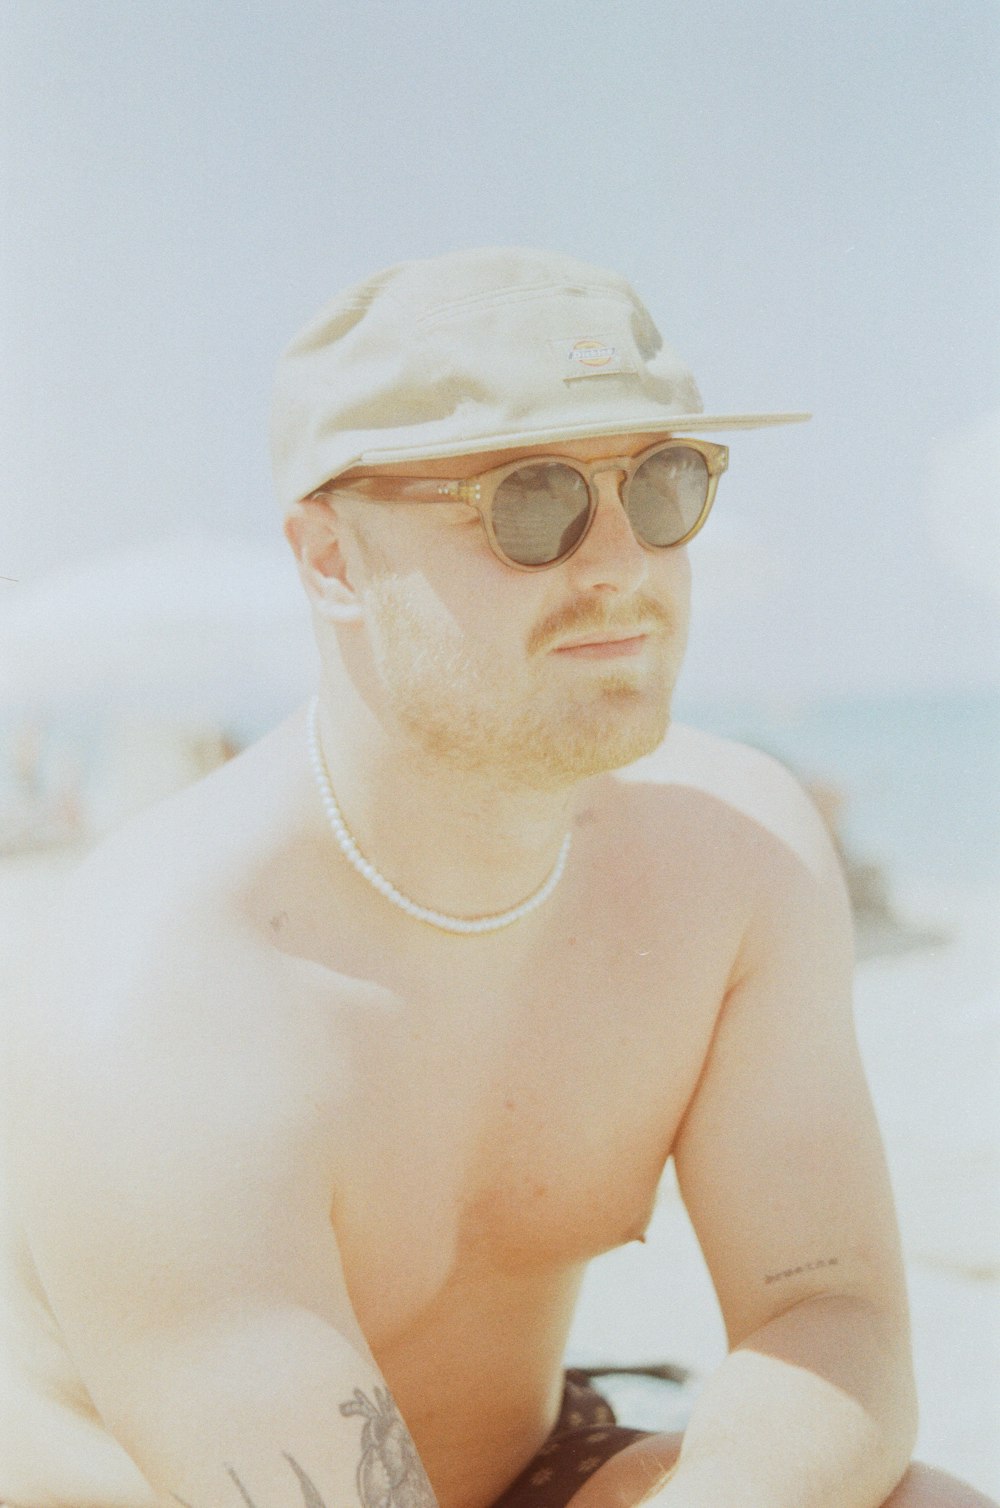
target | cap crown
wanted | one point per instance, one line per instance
(477, 350)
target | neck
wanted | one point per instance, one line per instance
(458, 842)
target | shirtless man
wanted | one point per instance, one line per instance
(299, 1154)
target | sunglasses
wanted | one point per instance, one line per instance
(537, 512)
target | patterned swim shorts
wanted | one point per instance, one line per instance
(586, 1434)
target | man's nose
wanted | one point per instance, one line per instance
(610, 558)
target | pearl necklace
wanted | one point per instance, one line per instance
(385, 887)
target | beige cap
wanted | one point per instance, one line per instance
(478, 350)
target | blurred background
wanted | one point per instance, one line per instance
(806, 197)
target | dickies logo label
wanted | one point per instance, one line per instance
(590, 356)
(592, 353)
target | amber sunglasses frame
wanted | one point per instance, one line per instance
(479, 491)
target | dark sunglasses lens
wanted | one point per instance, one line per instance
(667, 495)
(540, 512)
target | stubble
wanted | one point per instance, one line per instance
(549, 730)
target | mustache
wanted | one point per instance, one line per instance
(642, 615)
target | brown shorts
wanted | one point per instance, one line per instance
(586, 1434)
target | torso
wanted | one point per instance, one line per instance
(504, 1105)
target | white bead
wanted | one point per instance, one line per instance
(351, 851)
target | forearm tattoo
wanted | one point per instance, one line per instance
(310, 1496)
(389, 1475)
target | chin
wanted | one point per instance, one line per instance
(605, 735)
(623, 745)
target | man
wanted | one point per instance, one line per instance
(351, 1056)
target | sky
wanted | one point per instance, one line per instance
(805, 196)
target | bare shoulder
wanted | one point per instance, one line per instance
(172, 1104)
(166, 884)
(154, 1003)
(733, 793)
(184, 854)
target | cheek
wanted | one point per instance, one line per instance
(673, 573)
(479, 608)
(403, 613)
(439, 631)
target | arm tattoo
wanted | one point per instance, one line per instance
(390, 1473)
(793, 1272)
(310, 1497)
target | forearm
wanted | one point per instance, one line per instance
(276, 1409)
(815, 1410)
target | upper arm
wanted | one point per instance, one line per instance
(779, 1157)
(176, 1199)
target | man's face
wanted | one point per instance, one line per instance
(540, 678)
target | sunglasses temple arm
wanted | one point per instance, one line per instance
(407, 489)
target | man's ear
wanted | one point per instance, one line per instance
(315, 532)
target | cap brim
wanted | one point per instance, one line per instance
(667, 424)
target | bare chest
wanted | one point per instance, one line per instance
(498, 1136)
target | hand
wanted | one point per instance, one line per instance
(632, 1476)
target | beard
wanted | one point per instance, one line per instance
(532, 728)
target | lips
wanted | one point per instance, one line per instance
(603, 646)
(579, 626)
(606, 638)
